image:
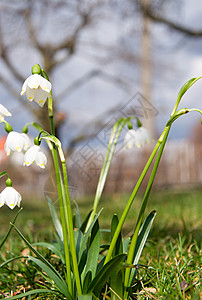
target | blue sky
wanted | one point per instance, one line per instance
(176, 59)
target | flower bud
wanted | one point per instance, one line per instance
(36, 141)
(130, 126)
(139, 124)
(36, 69)
(25, 129)
(8, 127)
(8, 182)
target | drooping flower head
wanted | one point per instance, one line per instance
(16, 142)
(4, 112)
(10, 196)
(34, 154)
(137, 138)
(37, 88)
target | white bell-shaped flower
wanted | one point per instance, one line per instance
(36, 88)
(34, 154)
(4, 112)
(144, 136)
(10, 197)
(137, 138)
(130, 139)
(16, 142)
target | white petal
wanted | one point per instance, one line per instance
(40, 97)
(24, 86)
(2, 201)
(27, 142)
(30, 155)
(130, 139)
(14, 142)
(41, 159)
(30, 93)
(4, 111)
(45, 85)
(34, 81)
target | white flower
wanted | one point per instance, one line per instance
(137, 138)
(34, 154)
(4, 112)
(16, 142)
(36, 88)
(10, 197)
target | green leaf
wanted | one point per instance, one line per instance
(93, 252)
(59, 282)
(117, 280)
(55, 218)
(78, 222)
(22, 295)
(84, 224)
(183, 90)
(119, 246)
(37, 253)
(186, 86)
(103, 275)
(142, 236)
(141, 240)
(86, 235)
(53, 248)
(87, 281)
(85, 297)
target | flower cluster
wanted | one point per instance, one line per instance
(19, 142)
(38, 89)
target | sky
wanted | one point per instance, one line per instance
(176, 59)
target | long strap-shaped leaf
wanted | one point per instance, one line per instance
(37, 291)
(103, 275)
(40, 256)
(141, 240)
(61, 284)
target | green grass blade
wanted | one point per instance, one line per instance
(10, 260)
(55, 218)
(37, 253)
(22, 295)
(53, 248)
(103, 275)
(60, 283)
(9, 231)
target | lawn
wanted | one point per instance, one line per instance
(170, 263)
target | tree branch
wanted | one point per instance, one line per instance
(147, 10)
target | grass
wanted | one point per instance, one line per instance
(170, 263)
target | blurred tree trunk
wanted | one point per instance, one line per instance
(146, 70)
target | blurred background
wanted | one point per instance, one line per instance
(106, 60)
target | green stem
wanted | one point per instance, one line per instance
(61, 197)
(143, 206)
(68, 216)
(63, 220)
(130, 201)
(116, 131)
